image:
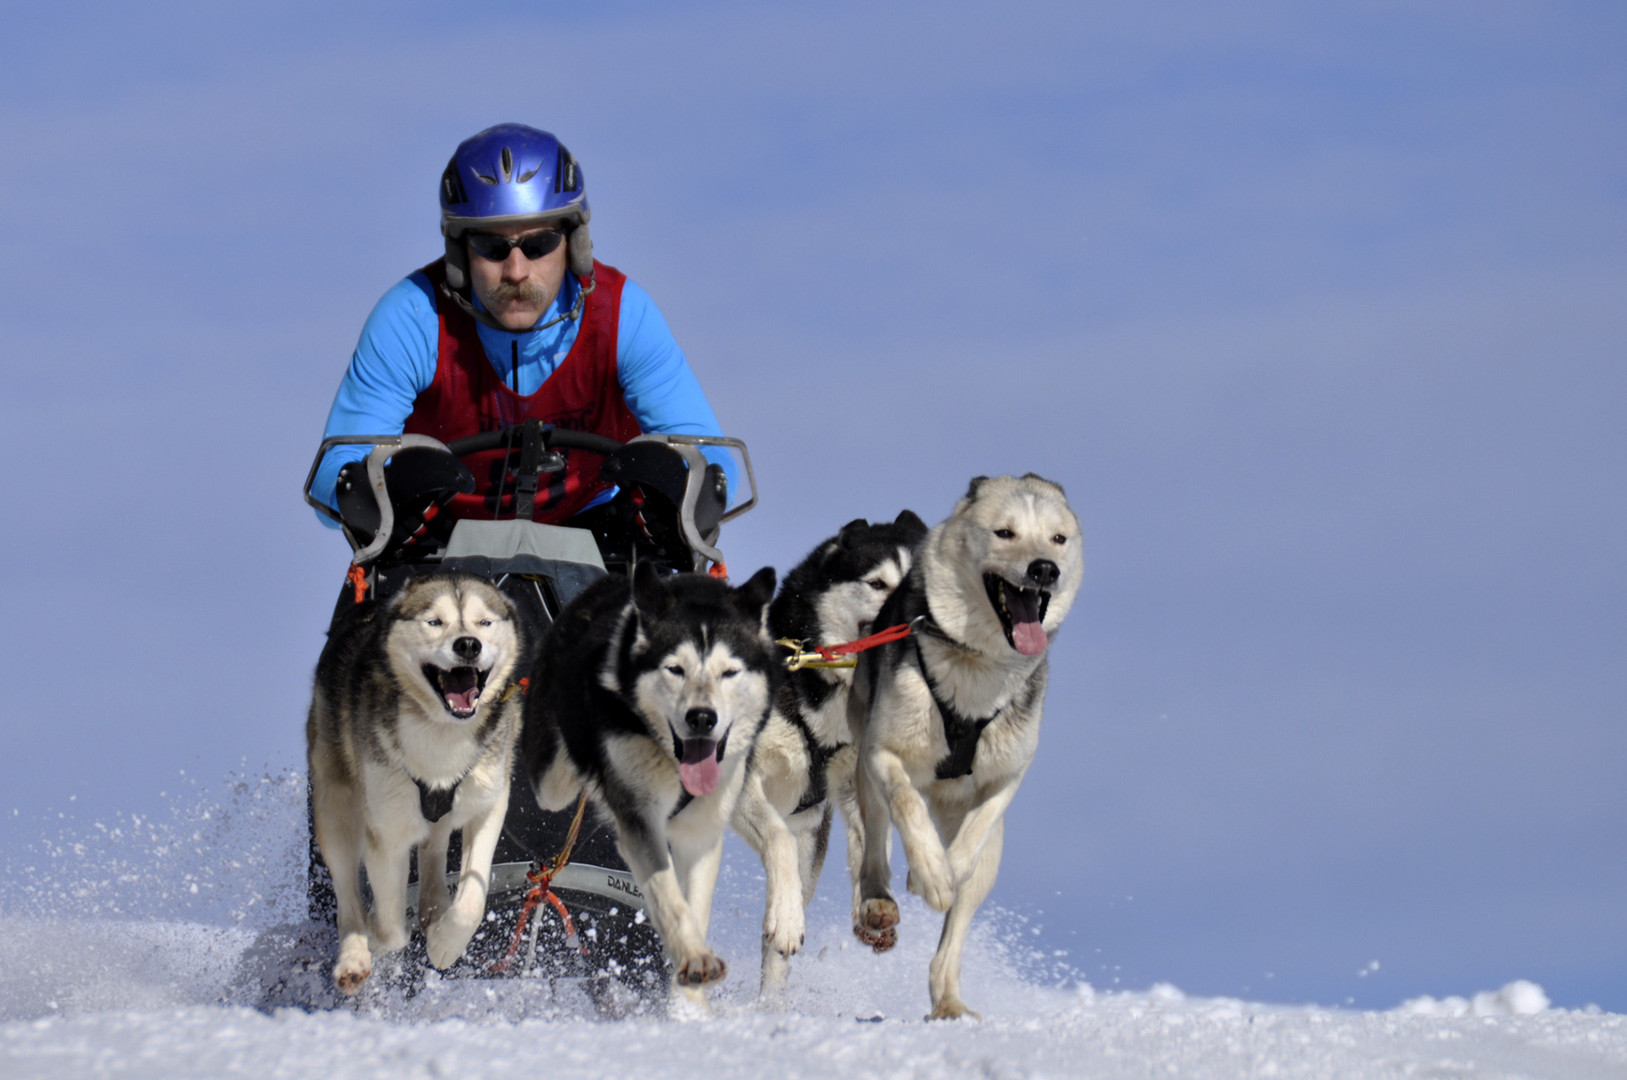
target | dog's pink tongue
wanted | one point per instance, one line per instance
(1029, 637)
(461, 686)
(699, 770)
(1026, 632)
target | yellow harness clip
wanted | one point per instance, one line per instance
(800, 659)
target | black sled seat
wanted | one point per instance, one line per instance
(669, 510)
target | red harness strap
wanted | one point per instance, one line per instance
(880, 637)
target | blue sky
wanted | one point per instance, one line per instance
(1315, 309)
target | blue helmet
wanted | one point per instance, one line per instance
(512, 174)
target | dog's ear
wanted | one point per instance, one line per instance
(845, 537)
(649, 597)
(977, 482)
(1043, 480)
(827, 550)
(910, 523)
(752, 598)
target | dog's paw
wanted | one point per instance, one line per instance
(445, 941)
(931, 879)
(951, 1009)
(354, 966)
(701, 970)
(880, 941)
(783, 927)
(876, 924)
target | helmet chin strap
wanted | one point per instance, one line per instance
(587, 284)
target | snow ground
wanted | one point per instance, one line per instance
(163, 968)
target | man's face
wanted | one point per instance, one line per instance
(517, 290)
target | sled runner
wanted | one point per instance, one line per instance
(410, 508)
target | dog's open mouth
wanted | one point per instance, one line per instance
(1022, 613)
(700, 763)
(459, 687)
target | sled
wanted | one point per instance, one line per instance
(669, 508)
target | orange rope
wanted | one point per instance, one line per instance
(358, 581)
(541, 878)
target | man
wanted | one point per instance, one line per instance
(516, 322)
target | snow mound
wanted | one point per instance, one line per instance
(1519, 998)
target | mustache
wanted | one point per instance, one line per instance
(526, 292)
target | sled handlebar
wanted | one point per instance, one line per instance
(686, 446)
(553, 438)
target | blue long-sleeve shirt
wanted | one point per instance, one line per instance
(396, 356)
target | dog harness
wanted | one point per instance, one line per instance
(435, 804)
(959, 731)
(818, 766)
(584, 393)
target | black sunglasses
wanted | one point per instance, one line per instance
(496, 248)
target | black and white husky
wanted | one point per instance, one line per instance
(950, 715)
(803, 765)
(411, 736)
(650, 694)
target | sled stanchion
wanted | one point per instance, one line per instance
(541, 878)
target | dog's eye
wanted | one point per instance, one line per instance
(485, 622)
(432, 622)
(877, 584)
(1059, 539)
(731, 673)
(675, 669)
(1004, 534)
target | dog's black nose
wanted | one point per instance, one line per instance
(701, 721)
(467, 648)
(1043, 573)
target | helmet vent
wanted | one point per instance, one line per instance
(565, 172)
(523, 177)
(452, 185)
(508, 163)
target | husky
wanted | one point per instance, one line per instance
(803, 765)
(649, 695)
(948, 719)
(411, 737)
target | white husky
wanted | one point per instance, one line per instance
(411, 736)
(948, 719)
